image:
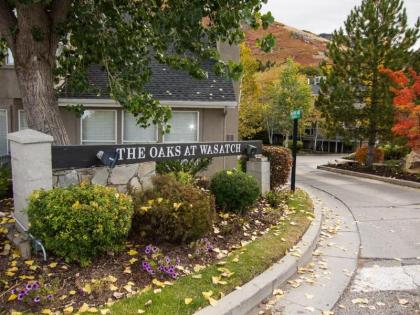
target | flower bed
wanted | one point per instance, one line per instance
(385, 171)
(55, 285)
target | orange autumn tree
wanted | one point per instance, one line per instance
(407, 104)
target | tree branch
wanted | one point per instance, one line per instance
(59, 11)
(7, 22)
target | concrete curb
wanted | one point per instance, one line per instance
(251, 294)
(399, 182)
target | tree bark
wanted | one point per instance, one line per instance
(35, 55)
(39, 100)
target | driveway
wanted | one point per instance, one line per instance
(368, 256)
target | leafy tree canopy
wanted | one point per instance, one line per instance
(65, 37)
(355, 99)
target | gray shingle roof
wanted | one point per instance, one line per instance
(169, 85)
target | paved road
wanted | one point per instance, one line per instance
(382, 275)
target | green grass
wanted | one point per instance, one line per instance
(254, 258)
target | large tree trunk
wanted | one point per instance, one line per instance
(34, 47)
(39, 100)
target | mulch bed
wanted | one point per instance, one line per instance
(384, 171)
(117, 275)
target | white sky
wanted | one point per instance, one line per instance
(323, 16)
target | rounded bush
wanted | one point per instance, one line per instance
(362, 155)
(235, 191)
(280, 165)
(80, 222)
(173, 211)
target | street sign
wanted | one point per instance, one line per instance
(296, 114)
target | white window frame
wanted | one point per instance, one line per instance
(135, 142)
(198, 125)
(6, 62)
(93, 142)
(7, 128)
(20, 111)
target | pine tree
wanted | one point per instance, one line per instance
(355, 98)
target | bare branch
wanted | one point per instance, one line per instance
(59, 11)
(7, 22)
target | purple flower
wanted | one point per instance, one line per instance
(35, 286)
(167, 259)
(37, 299)
(29, 287)
(20, 297)
(24, 292)
(148, 249)
(49, 296)
(154, 249)
(145, 264)
(14, 291)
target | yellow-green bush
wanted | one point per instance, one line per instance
(172, 211)
(80, 222)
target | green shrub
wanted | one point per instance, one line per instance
(280, 165)
(5, 181)
(80, 222)
(395, 152)
(187, 166)
(274, 199)
(172, 211)
(234, 190)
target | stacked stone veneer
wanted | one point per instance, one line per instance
(124, 178)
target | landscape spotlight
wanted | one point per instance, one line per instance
(107, 158)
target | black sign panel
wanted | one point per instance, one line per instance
(80, 156)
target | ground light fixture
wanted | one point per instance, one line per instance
(108, 158)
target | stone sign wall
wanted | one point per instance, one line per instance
(123, 177)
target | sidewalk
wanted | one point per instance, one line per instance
(318, 286)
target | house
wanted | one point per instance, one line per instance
(202, 110)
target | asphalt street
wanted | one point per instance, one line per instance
(368, 256)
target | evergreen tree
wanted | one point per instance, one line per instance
(355, 98)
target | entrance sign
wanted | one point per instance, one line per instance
(81, 156)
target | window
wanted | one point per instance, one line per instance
(184, 127)
(99, 127)
(10, 61)
(23, 122)
(133, 133)
(3, 132)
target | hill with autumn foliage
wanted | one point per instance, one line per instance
(304, 47)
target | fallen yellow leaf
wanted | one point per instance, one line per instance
(52, 265)
(188, 301)
(12, 297)
(68, 310)
(132, 252)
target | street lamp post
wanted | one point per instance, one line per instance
(295, 115)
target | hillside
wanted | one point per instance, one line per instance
(304, 47)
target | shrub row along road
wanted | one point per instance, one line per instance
(382, 275)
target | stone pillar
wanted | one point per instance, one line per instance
(31, 168)
(259, 168)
